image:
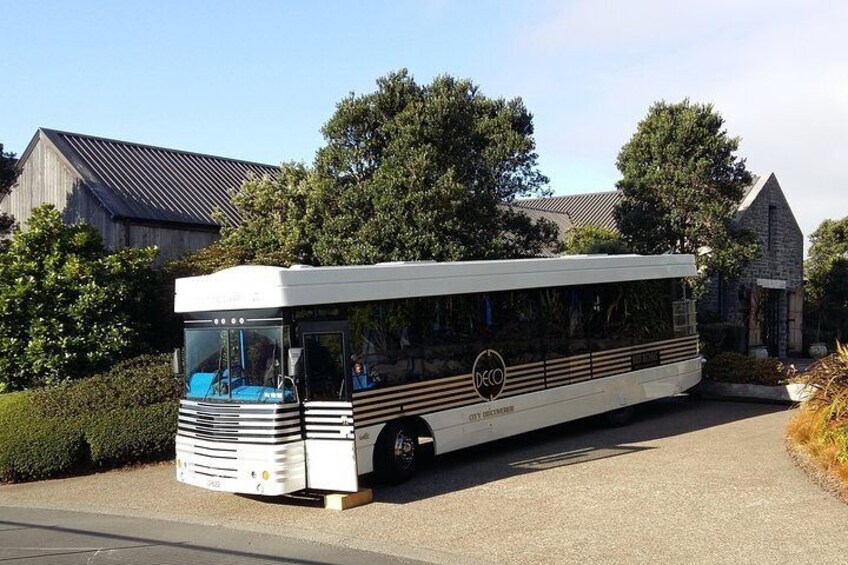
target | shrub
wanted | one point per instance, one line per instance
(140, 381)
(717, 337)
(730, 367)
(125, 415)
(829, 378)
(69, 307)
(118, 437)
(35, 448)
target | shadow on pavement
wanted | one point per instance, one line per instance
(571, 443)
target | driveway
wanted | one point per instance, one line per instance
(690, 481)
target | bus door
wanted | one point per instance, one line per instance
(327, 408)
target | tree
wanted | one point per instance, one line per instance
(279, 221)
(826, 271)
(68, 307)
(420, 172)
(8, 175)
(591, 239)
(681, 187)
(408, 172)
(279, 214)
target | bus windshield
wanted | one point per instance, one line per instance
(235, 364)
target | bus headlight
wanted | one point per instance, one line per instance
(265, 475)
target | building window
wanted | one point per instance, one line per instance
(772, 221)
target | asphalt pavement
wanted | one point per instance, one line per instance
(57, 537)
(690, 481)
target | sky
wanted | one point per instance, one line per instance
(256, 80)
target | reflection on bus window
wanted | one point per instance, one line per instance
(235, 364)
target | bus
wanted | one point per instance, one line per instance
(310, 377)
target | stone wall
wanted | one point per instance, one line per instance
(781, 259)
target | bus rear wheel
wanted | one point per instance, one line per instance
(396, 453)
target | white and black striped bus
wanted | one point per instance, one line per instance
(310, 377)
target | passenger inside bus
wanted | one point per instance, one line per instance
(359, 376)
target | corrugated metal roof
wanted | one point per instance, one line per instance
(582, 209)
(155, 184)
(560, 220)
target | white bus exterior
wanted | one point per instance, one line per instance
(308, 377)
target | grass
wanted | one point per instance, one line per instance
(820, 427)
(811, 431)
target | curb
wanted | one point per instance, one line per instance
(814, 471)
(781, 394)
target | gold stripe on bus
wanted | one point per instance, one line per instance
(524, 372)
(564, 370)
(511, 379)
(410, 411)
(679, 357)
(525, 384)
(401, 398)
(574, 359)
(566, 366)
(611, 367)
(553, 383)
(428, 395)
(612, 370)
(581, 367)
(687, 349)
(600, 365)
(434, 400)
(530, 365)
(435, 385)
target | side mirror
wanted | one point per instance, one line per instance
(177, 363)
(295, 362)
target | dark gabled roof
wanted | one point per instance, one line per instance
(597, 208)
(582, 209)
(154, 184)
(559, 219)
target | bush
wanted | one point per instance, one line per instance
(125, 415)
(829, 378)
(68, 306)
(140, 381)
(717, 337)
(730, 367)
(119, 437)
(34, 448)
(821, 425)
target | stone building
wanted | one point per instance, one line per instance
(767, 300)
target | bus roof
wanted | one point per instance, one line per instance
(254, 286)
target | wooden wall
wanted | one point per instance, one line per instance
(171, 242)
(46, 179)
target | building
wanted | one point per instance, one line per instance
(138, 195)
(767, 300)
(135, 195)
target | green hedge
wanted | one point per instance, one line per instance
(125, 416)
(141, 381)
(132, 435)
(34, 448)
(730, 367)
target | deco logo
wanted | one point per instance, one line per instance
(489, 374)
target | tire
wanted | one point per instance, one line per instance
(396, 453)
(620, 417)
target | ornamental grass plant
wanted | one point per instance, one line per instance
(820, 427)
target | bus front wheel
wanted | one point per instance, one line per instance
(396, 453)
